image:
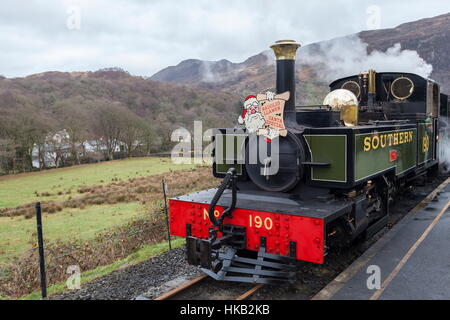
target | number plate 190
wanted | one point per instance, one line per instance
(253, 220)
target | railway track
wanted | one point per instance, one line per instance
(183, 288)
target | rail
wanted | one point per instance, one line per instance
(187, 285)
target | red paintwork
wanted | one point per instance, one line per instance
(393, 155)
(307, 232)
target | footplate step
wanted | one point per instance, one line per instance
(266, 268)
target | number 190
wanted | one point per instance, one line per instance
(258, 222)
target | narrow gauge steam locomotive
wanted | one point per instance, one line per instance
(340, 165)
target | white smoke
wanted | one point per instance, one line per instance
(444, 143)
(206, 72)
(270, 57)
(218, 71)
(349, 55)
(330, 60)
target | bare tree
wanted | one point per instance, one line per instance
(108, 126)
(41, 150)
(75, 122)
(6, 154)
(26, 129)
(148, 138)
(132, 132)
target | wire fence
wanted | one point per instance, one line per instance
(31, 233)
(88, 249)
(19, 271)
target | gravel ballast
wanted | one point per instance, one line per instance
(130, 282)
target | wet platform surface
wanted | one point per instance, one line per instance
(412, 259)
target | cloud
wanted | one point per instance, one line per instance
(144, 36)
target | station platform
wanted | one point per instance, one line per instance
(412, 259)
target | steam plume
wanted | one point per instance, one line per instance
(348, 56)
(444, 143)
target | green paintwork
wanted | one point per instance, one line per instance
(375, 160)
(234, 156)
(223, 168)
(330, 149)
(425, 135)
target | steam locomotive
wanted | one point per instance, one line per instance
(339, 166)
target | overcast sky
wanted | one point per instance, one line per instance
(144, 36)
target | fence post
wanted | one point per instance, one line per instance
(166, 211)
(41, 250)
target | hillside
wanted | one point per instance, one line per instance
(160, 104)
(429, 37)
(108, 106)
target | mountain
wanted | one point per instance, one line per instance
(253, 75)
(429, 37)
(93, 104)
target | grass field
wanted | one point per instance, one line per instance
(19, 189)
(105, 212)
(18, 234)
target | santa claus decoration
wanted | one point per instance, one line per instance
(263, 114)
(251, 115)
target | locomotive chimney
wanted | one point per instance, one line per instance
(285, 51)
